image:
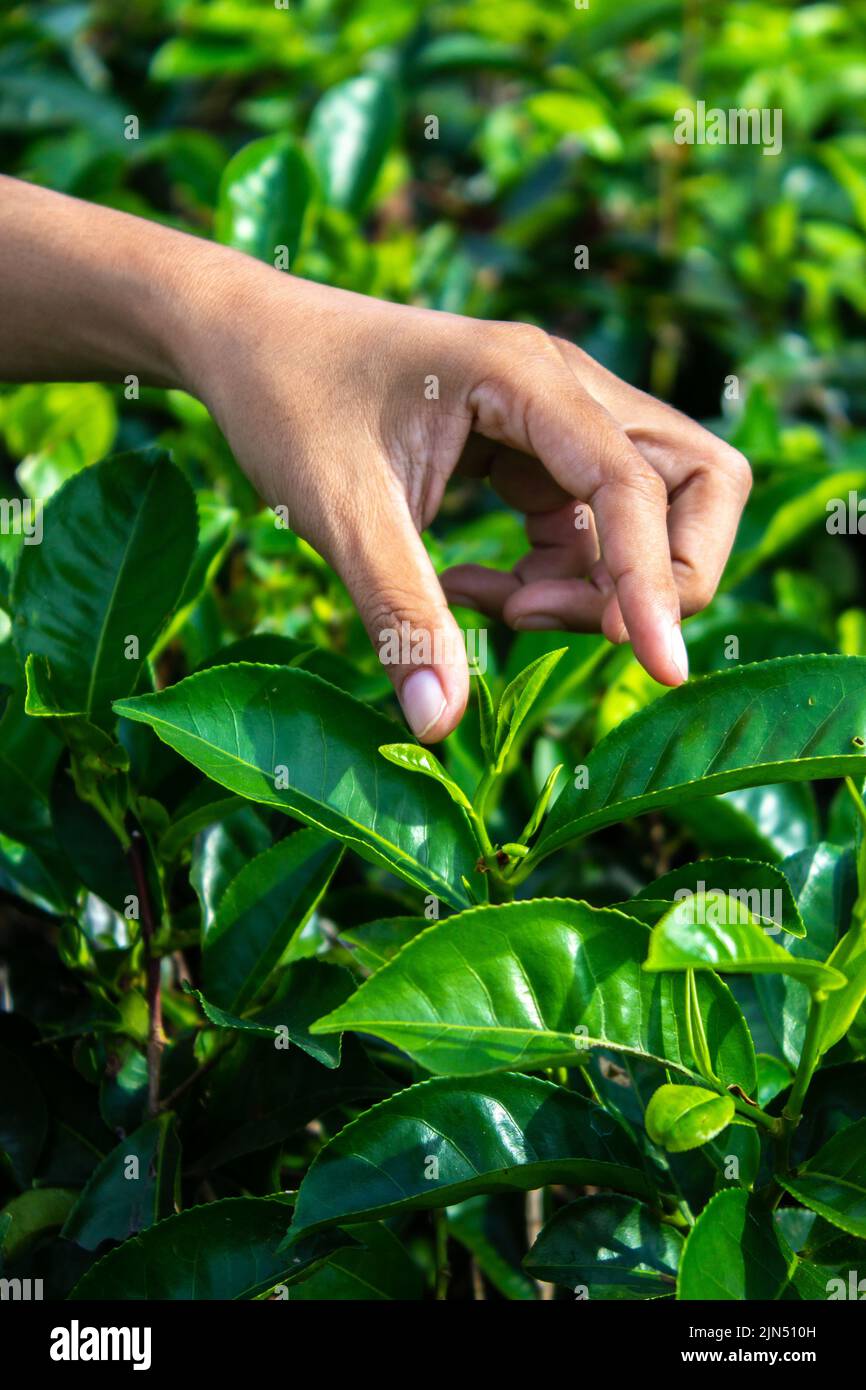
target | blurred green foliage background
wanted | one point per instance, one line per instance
(729, 282)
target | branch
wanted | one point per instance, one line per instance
(153, 967)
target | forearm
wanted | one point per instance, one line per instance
(89, 293)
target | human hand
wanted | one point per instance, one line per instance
(354, 414)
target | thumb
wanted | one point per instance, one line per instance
(398, 596)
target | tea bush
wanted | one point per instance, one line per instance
(293, 1006)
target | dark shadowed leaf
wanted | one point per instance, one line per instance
(260, 912)
(136, 1185)
(444, 1140)
(306, 990)
(612, 1247)
(833, 1182)
(223, 1250)
(380, 1270)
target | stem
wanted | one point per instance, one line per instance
(153, 966)
(859, 911)
(483, 790)
(695, 1028)
(754, 1112)
(501, 890)
(808, 1061)
(443, 1268)
(116, 826)
(534, 1223)
(171, 1099)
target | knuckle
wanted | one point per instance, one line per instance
(527, 340)
(387, 610)
(736, 466)
(629, 470)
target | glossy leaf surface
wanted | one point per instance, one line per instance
(715, 931)
(118, 541)
(613, 1247)
(444, 1140)
(684, 1117)
(527, 984)
(283, 737)
(794, 718)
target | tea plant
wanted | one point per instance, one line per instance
(572, 1005)
(679, 1072)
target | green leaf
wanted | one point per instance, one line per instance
(136, 1185)
(482, 1226)
(541, 805)
(206, 806)
(259, 1095)
(307, 989)
(791, 719)
(23, 1118)
(261, 911)
(222, 1250)
(30, 1216)
(122, 1096)
(416, 758)
(824, 882)
(444, 1140)
(264, 193)
(118, 541)
(765, 823)
(842, 1006)
(98, 856)
(374, 943)
(518, 699)
(528, 984)
(712, 931)
(833, 1181)
(782, 510)
(763, 888)
(222, 850)
(350, 132)
(733, 1252)
(382, 1270)
(610, 1247)
(254, 728)
(774, 1076)
(486, 717)
(28, 757)
(274, 649)
(684, 1117)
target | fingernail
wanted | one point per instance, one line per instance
(423, 700)
(679, 655)
(537, 622)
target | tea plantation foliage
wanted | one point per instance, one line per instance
(448, 1024)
